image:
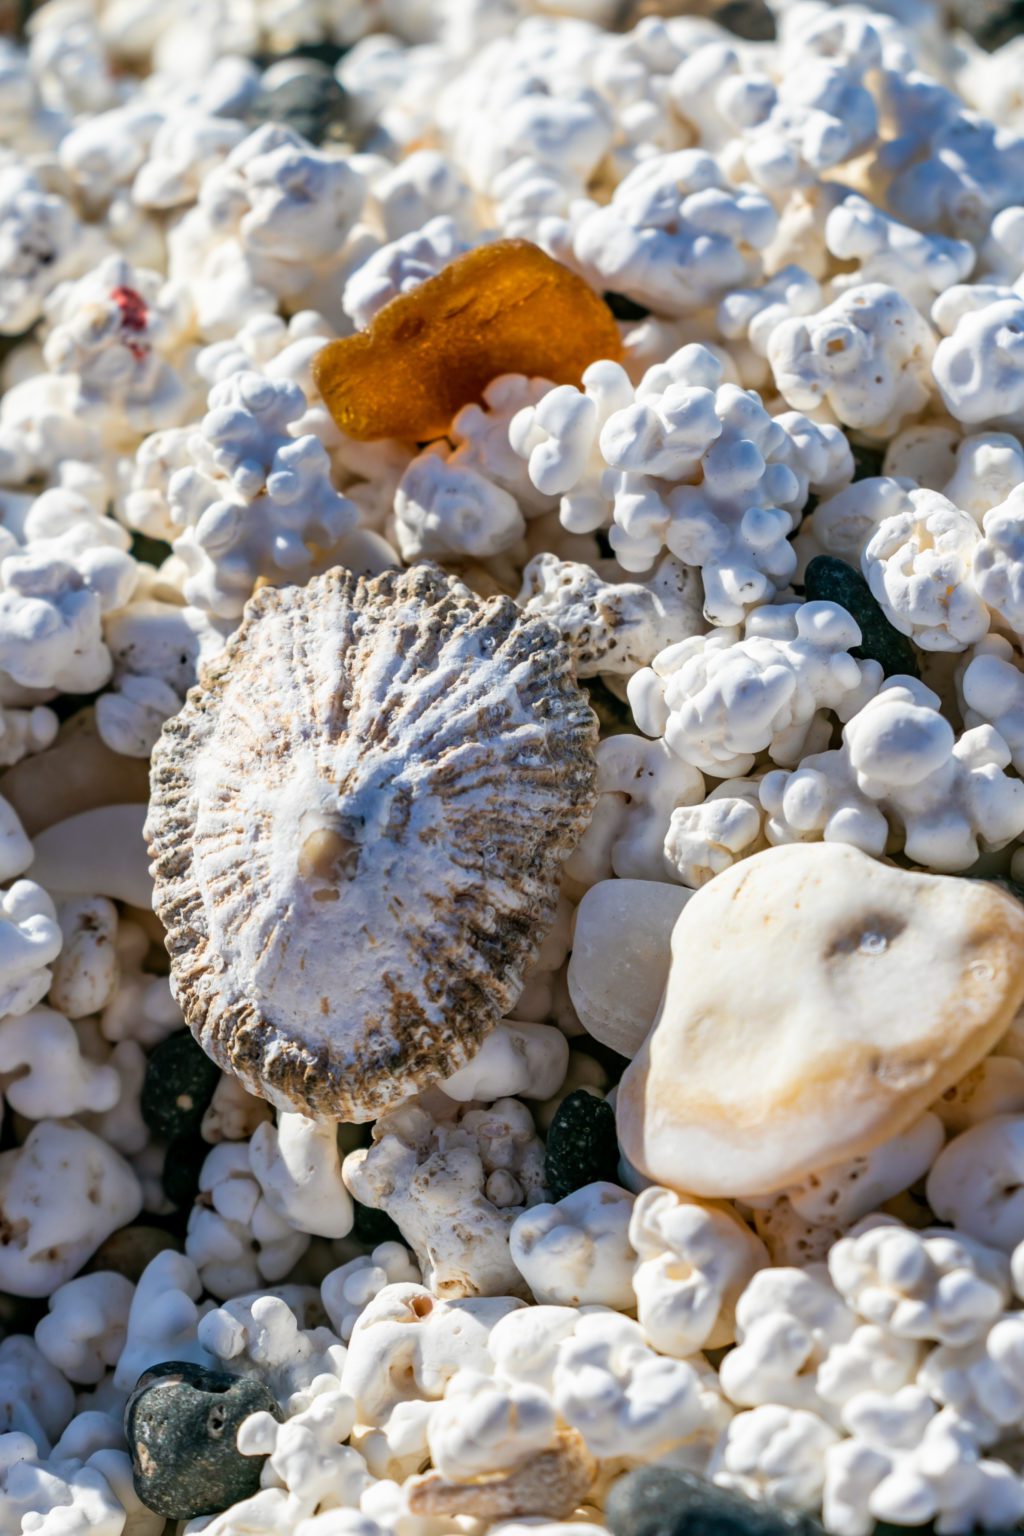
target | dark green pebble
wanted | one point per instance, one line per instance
(830, 580)
(181, 1423)
(313, 103)
(661, 1501)
(582, 1147)
(749, 19)
(178, 1086)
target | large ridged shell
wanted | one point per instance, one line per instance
(357, 824)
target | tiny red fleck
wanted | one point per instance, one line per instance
(134, 311)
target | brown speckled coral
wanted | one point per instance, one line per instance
(357, 826)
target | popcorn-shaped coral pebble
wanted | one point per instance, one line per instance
(484, 1426)
(625, 1400)
(445, 510)
(615, 454)
(42, 243)
(703, 840)
(408, 1344)
(918, 265)
(51, 1238)
(36, 1401)
(719, 700)
(273, 222)
(503, 308)
(992, 691)
(641, 783)
(163, 1318)
(401, 266)
(918, 564)
(908, 1462)
(262, 1336)
(120, 331)
(932, 1284)
(53, 1076)
(774, 1453)
(866, 356)
(235, 1237)
(676, 233)
(516, 1060)
(981, 1381)
(255, 500)
(693, 1260)
(974, 1182)
(787, 1323)
(577, 1252)
(998, 574)
(349, 1289)
(298, 1168)
(979, 363)
(30, 939)
(306, 1454)
(83, 1332)
(902, 773)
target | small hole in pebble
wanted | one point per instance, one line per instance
(421, 1306)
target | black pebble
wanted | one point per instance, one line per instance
(661, 1501)
(183, 1164)
(313, 103)
(1011, 887)
(614, 714)
(582, 1147)
(128, 1250)
(625, 308)
(327, 54)
(180, 1423)
(372, 1227)
(831, 580)
(867, 461)
(990, 22)
(178, 1086)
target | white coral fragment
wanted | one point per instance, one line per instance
(721, 699)
(866, 356)
(454, 1186)
(694, 1258)
(577, 1252)
(932, 1284)
(902, 774)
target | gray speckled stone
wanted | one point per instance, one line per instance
(180, 1423)
(661, 1501)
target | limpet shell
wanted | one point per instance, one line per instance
(357, 826)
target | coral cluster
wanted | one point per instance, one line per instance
(511, 981)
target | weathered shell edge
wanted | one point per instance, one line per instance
(269, 1061)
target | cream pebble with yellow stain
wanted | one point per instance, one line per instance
(817, 1002)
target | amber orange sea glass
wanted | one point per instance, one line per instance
(503, 308)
